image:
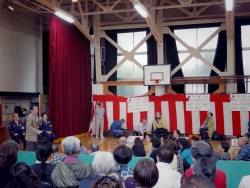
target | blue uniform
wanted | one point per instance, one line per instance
(46, 126)
(17, 128)
(115, 128)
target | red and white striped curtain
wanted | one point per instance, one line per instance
(173, 109)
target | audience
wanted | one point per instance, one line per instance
(8, 157)
(215, 156)
(83, 150)
(146, 174)
(177, 162)
(176, 134)
(194, 139)
(244, 153)
(168, 177)
(202, 149)
(138, 151)
(41, 168)
(122, 155)
(12, 143)
(156, 143)
(57, 157)
(138, 141)
(197, 181)
(247, 136)
(70, 172)
(244, 183)
(148, 144)
(206, 167)
(185, 152)
(23, 176)
(94, 148)
(103, 165)
(223, 150)
(106, 182)
(123, 141)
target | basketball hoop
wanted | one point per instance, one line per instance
(156, 81)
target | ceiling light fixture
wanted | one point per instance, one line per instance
(64, 16)
(10, 5)
(141, 9)
(229, 5)
(74, 1)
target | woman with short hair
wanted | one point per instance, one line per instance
(185, 152)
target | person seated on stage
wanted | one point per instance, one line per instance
(57, 157)
(94, 148)
(185, 152)
(244, 153)
(71, 171)
(83, 150)
(141, 129)
(123, 155)
(148, 145)
(247, 137)
(202, 149)
(207, 125)
(160, 125)
(12, 143)
(138, 150)
(156, 143)
(223, 150)
(47, 128)
(197, 181)
(194, 139)
(17, 130)
(206, 167)
(103, 165)
(148, 179)
(176, 134)
(123, 141)
(115, 127)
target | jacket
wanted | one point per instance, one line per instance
(159, 124)
(14, 128)
(210, 125)
(32, 125)
(46, 126)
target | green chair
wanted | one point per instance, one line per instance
(234, 170)
(26, 156)
(135, 160)
(86, 158)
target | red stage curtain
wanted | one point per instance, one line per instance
(70, 79)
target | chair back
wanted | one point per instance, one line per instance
(135, 160)
(86, 158)
(29, 157)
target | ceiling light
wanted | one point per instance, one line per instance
(142, 10)
(64, 16)
(74, 1)
(229, 5)
(10, 5)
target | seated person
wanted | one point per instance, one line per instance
(223, 150)
(176, 135)
(156, 143)
(206, 167)
(148, 145)
(207, 125)
(194, 139)
(17, 130)
(83, 150)
(123, 141)
(141, 129)
(244, 153)
(197, 180)
(57, 157)
(185, 152)
(94, 148)
(160, 125)
(47, 128)
(215, 157)
(105, 182)
(138, 151)
(115, 127)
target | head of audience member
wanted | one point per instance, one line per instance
(138, 151)
(138, 141)
(100, 104)
(158, 114)
(94, 147)
(183, 143)
(144, 122)
(156, 143)
(22, 175)
(71, 145)
(171, 144)
(55, 148)
(165, 154)
(194, 139)
(122, 155)
(44, 116)
(103, 163)
(106, 182)
(195, 135)
(247, 137)
(146, 174)
(200, 149)
(241, 141)
(34, 109)
(206, 167)
(149, 137)
(43, 152)
(15, 117)
(209, 145)
(209, 115)
(122, 121)
(223, 146)
(176, 134)
(198, 181)
(122, 140)
(12, 143)
(8, 157)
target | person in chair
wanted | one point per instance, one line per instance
(47, 128)
(160, 125)
(207, 125)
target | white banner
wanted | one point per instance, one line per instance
(240, 102)
(198, 103)
(138, 104)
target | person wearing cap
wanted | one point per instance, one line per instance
(99, 120)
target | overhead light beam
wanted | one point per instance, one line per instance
(64, 16)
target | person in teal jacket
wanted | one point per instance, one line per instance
(185, 152)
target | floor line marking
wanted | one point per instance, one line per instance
(102, 141)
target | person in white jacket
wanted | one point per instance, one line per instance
(168, 177)
(244, 183)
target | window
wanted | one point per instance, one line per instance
(128, 70)
(245, 38)
(195, 67)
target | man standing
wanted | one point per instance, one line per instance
(47, 128)
(115, 127)
(99, 120)
(141, 129)
(160, 125)
(17, 130)
(32, 124)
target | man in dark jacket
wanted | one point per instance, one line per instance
(47, 128)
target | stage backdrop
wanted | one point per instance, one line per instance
(173, 109)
